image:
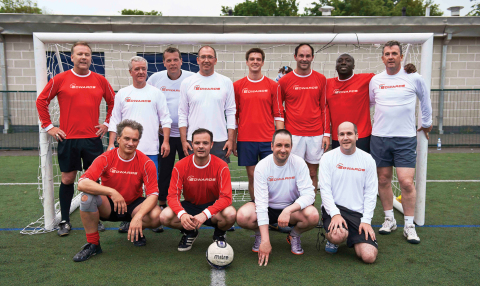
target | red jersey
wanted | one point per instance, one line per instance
(200, 185)
(79, 98)
(126, 177)
(304, 96)
(348, 100)
(258, 103)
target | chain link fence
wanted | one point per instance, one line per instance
(459, 127)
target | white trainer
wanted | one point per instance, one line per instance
(410, 233)
(389, 225)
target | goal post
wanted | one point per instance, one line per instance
(425, 40)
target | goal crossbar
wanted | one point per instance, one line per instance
(41, 39)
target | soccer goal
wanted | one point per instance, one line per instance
(111, 52)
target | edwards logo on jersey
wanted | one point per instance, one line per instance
(164, 89)
(341, 167)
(383, 86)
(128, 99)
(74, 86)
(296, 87)
(115, 171)
(246, 90)
(336, 91)
(193, 179)
(197, 87)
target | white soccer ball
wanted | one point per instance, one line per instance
(219, 254)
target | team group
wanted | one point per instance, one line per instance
(279, 132)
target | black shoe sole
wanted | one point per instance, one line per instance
(98, 252)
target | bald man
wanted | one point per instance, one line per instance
(348, 186)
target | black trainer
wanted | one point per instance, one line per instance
(158, 229)
(142, 241)
(232, 228)
(187, 240)
(88, 250)
(64, 228)
(101, 227)
(124, 226)
(220, 237)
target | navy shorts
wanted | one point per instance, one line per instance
(353, 222)
(250, 153)
(362, 143)
(127, 216)
(71, 153)
(193, 210)
(273, 215)
(394, 151)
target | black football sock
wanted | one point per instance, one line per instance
(65, 195)
(219, 232)
(164, 205)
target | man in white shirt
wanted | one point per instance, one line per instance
(394, 142)
(169, 82)
(146, 105)
(348, 186)
(206, 98)
(283, 193)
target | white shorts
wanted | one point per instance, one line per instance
(308, 147)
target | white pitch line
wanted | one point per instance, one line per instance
(217, 277)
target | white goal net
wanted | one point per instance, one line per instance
(111, 53)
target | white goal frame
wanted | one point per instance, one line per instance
(41, 39)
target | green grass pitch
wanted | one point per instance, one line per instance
(446, 255)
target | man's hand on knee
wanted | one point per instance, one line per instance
(336, 224)
(284, 218)
(199, 219)
(365, 227)
(187, 222)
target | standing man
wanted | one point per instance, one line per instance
(124, 172)
(146, 105)
(169, 82)
(348, 186)
(79, 92)
(205, 182)
(304, 93)
(348, 100)
(283, 194)
(206, 98)
(259, 104)
(394, 142)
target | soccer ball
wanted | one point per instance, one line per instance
(219, 254)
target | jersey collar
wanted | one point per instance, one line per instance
(202, 167)
(311, 71)
(89, 72)
(251, 80)
(119, 157)
(347, 78)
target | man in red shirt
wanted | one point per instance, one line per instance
(348, 100)
(259, 103)
(123, 172)
(306, 117)
(79, 92)
(207, 192)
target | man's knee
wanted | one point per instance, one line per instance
(245, 216)
(339, 237)
(407, 184)
(166, 216)
(312, 215)
(90, 203)
(230, 214)
(68, 178)
(368, 253)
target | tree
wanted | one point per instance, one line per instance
(375, 7)
(263, 8)
(20, 6)
(475, 9)
(140, 12)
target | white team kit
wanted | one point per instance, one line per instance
(148, 107)
(349, 181)
(394, 97)
(278, 187)
(171, 90)
(205, 101)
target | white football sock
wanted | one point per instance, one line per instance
(408, 220)
(389, 213)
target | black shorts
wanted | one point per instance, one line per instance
(127, 216)
(362, 143)
(353, 222)
(273, 215)
(193, 210)
(394, 151)
(71, 153)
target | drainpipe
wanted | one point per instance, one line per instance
(3, 68)
(441, 99)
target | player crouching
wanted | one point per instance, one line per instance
(123, 171)
(207, 190)
(284, 193)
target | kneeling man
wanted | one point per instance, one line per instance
(207, 191)
(348, 186)
(284, 193)
(123, 172)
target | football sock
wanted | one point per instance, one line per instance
(389, 213)
(294, 233)
(257, 232)
(408, 220)
(93, 238)
(219, 232)
(65, 195)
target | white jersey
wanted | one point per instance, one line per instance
(171, 89)
(280, 186)
(394, 97)
(148, 107)
(205, 101)
(349, 181)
